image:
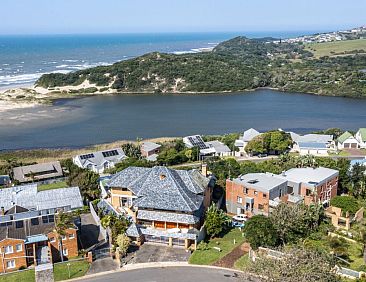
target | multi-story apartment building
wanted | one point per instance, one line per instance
(27, 226)
(257, 193)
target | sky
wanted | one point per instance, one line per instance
(130, 16)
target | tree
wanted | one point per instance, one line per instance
(295, 264)
(346, 203)
(357, 179)
(132, 150)
(295, 222)
(215, 221)
(63, 221)
(259, 231)
(123, 243)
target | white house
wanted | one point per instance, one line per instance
(216, 148)
(313, 144)
(347, 141)
(101, 160)
(361, 137)
(243, 141)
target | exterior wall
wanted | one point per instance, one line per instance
(350, 140)
(320, 193)
(315, 152)
(359, 139)
(117, 193)
(235, 190)
(18, 257)
(71, 244)
(149, 153)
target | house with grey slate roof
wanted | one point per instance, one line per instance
(166, 205)
(101, 160)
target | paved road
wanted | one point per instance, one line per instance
(171, 274)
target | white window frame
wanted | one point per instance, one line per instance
(65, 252)
(20, 249)
(12, 262)
(71, 236)
(63, 237)
(239, 200)
(6, 251)
(53, 239)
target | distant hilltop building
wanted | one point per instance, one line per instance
(37, 172)
(100, 160)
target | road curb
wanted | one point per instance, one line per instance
(137, 266)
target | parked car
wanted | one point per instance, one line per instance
(262, 155)
(240, 217)
(237, 224)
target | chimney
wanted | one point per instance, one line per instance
(204, 169)
(283, 173)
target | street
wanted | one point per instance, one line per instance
(168, 274)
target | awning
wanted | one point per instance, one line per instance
(36, 238)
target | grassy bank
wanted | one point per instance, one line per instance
(47, 155)
(56, 185)
(336, 48)
(225, 243)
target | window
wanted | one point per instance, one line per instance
(255, 192)
(290, 190)
(71, 236)
(9, 250)
(52, 239)
(308, 192)
(19, 224)
(10, 264)
(63, 237)
(264, 195)
(239, 200)
(260, 207)
(65, 252)
(246, 190)
(35, 221)
(18, 247)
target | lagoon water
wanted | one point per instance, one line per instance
(92, 120)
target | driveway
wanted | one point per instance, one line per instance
(89, 231)
(103, 264)
(156, 253)
(168, 274)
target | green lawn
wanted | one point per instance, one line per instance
(77, 269)
(27, 275)
(241, 263)
(55, 185)
(226, 244)
(340, 154)
(336, 47)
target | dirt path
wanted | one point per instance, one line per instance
(229, 260)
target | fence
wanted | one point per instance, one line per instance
(349, 273)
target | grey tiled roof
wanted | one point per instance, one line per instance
(28, 197)
(167, 216)
(98, 159)
(133, 230)
(163, 188)
(149, 146)
(161, 233)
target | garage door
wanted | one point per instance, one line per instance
(353, 145)
(178, 242)
(347, 145)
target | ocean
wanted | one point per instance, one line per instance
(23, 59)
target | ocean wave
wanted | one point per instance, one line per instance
(61, 66)
(19, 79)
(70, 61)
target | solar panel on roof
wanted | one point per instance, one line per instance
(110, 153)
(87, 156)
(197, 141)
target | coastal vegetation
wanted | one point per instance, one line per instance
(235, 65)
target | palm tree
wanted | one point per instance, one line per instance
(63, 221)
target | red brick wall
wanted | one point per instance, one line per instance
(71, 244)
(320, 191)
(235, 190)
(18, 257)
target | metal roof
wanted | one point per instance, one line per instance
(260, 181)
(312, 145)
(149, 146)
(40, 171)
(309, 175)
